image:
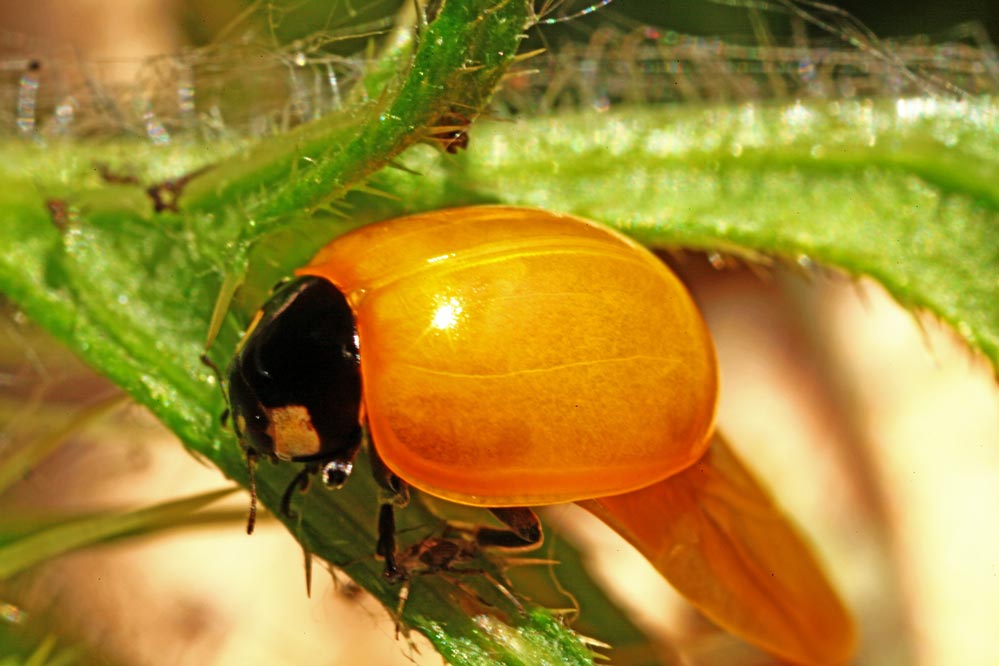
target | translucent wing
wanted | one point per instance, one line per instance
(718, 538)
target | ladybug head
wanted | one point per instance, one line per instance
(295, 381)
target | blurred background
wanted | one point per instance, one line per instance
(877, 430)
(112, 28)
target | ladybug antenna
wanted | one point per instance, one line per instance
(251, 519)
(308, 571)
(251, 457)
(211, 365)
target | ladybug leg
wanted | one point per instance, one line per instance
(386, 548)
(395, 493)
(301, 483)
(524, 530)
(251, 518)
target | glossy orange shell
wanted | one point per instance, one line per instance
(514, 357)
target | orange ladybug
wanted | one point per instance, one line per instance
(508, 358)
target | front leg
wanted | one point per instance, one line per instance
(394, 492)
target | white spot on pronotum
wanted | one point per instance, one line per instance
(292, 432)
